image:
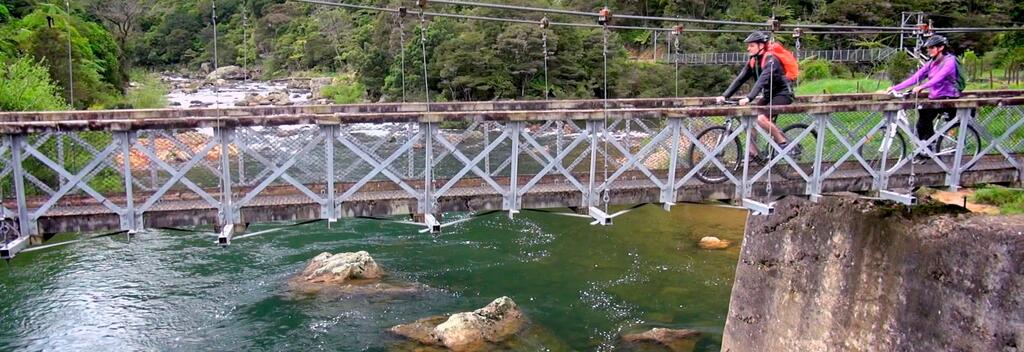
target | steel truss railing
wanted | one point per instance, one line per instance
(138, 172)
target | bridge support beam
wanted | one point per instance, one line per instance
(229, 216)
(668, 190)
(955, 170)
(589, 199)
(511, 201)
(25, 226)
(228, 232)
(329, 209)
(745, 187)
(814, 186)
(129, 220)
(901, 198)
(758, 208)
(599, 216)
(881, 181)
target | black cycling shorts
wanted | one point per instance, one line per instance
(775, 101)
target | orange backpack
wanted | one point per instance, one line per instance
(790, 65)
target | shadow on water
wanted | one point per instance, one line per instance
(581, 286)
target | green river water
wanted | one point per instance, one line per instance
(581, 286)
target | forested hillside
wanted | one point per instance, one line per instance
(465, 60)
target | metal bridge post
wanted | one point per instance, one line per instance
(25, 226)
(745, 186)
(882, 181)
(227, 208)
(427, 205)
(24, 222)
(668, 191)
(129, 220)
(512, 197)
(815, 186)
(330, 209)
(592, 129)
(953, 175)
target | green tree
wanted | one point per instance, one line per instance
(44, 35)
(469, 68)
(25, 85)
(520, 47)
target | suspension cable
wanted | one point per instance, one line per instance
(410, 158)
(604, 20)
(71, 66)
(676, 32)
(423, 48)
(216, 88)
(544, 24)
(428, 137)
(769, 97)
(683, 20)
(401, 36)
(245, 43)
(590, 14)
(825, 30)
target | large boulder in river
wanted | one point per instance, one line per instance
(348, 274)
(469, 331)
(342, 267)
(226, 73)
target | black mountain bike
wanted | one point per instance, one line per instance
(731, 155)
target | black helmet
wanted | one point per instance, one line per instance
(936, 40)
(757, 37)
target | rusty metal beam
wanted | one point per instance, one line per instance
(389, 108)
(140, 123)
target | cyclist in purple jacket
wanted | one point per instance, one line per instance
(939, 77)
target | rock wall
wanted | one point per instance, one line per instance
(857, 275)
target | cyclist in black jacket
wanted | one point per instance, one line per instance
(771, 81)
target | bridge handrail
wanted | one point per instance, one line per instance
(143, 119)
(528, 105)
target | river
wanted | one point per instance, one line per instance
(582, 285)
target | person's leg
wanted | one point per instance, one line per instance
(768, 123)
(926, 124)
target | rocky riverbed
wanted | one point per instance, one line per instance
(231, 86)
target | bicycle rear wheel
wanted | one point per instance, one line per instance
(730, 155)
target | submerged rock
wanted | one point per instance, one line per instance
(469, 331)
(710, 242)
(676, 340)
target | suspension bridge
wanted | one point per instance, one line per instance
(128, 170)
(91, 171)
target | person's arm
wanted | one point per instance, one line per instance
(773, 68)
(915, 78)
(947, 69)
(736, 83)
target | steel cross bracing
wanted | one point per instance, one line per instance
(241, 168)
